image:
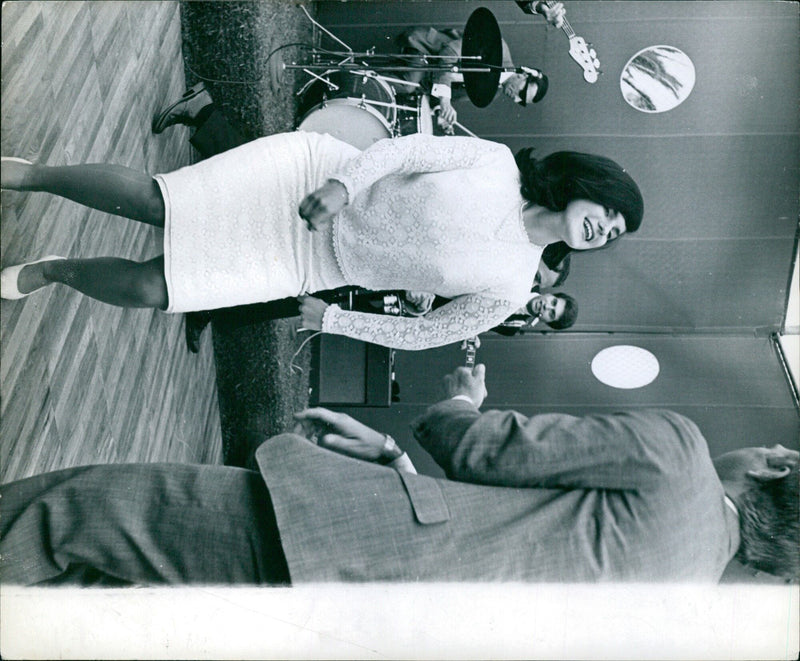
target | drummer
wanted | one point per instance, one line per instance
(526, 87)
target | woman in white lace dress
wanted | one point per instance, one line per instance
(301, 212)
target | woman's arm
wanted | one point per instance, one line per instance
(462, 317)
(410, 154)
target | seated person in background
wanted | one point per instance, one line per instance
(558, 311)
(623, 497)
(526, 87)
(215, 133)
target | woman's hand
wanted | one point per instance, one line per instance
(312, 310)
(319, 208)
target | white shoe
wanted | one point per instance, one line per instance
(12, 159)
(9, 279)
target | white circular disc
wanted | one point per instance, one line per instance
(625, 366)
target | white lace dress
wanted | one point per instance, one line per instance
(436, 214)
(232, 233)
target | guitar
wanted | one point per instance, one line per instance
(578, 48)
(579, 51)
(471, 347)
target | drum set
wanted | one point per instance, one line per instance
(361, 107)
(361, 97)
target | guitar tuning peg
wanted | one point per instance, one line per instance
(592, 53)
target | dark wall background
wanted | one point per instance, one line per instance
(705, 280)
(732, 387)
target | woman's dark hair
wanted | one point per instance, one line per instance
(570, 315)
(564, 176)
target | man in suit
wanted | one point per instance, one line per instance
(631, 496)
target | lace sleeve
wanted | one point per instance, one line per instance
(415, 153)
(463, 317)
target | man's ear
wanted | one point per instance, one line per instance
(767, 474)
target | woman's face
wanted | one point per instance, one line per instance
(590, 225)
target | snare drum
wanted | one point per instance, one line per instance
(350, 123)
(350, 85)
(419, 120)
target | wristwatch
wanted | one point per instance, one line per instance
(390, 452)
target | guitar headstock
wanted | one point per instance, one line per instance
(586, 57)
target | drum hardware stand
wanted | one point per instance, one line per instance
(377, 68)
(476, 60)
(349, 55)
(324, 29)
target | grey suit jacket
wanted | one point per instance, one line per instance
(624, 497)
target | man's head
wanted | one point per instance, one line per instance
(526, 88)
(764, 484)
(558, 311)
(548, 277)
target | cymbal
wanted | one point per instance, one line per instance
(482, 37)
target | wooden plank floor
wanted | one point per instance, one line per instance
(82, 382)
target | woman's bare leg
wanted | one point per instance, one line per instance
(112, 280)
(115, 189)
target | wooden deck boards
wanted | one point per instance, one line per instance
(82, 382)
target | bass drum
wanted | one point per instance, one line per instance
(347, 121)
(350, 85)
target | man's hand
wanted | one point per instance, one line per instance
(553, 15)
(312, 310)
(447, 115)
(345, 435)
(469, 382)
(319, 208)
